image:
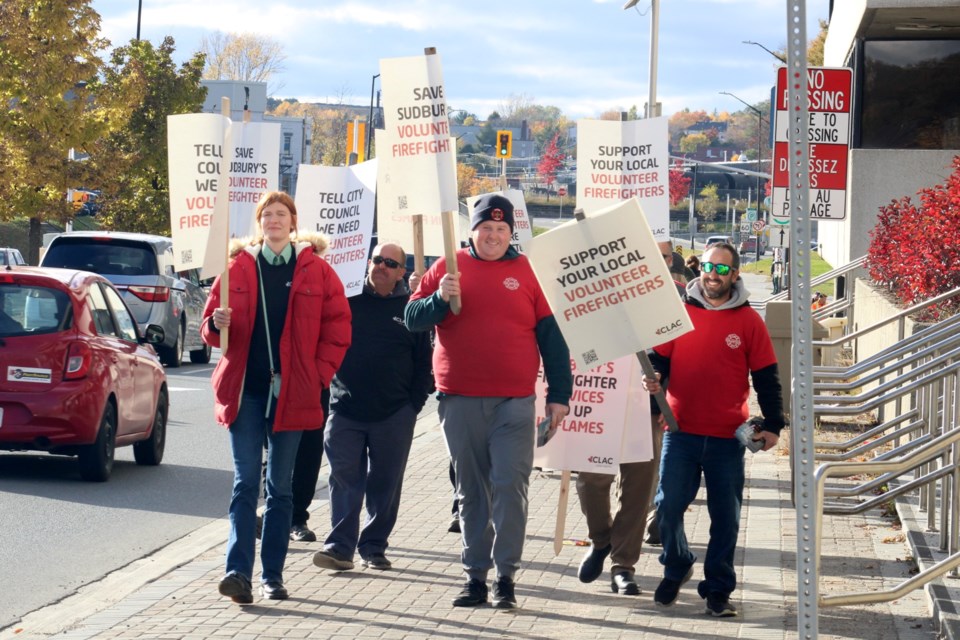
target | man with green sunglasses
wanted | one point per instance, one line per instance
(706, 374)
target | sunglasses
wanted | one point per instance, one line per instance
(390, 262)
(721, 269)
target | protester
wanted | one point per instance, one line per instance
(486, 363)
(287, 314)
(375, 397)
(705, 373)
(693, 263)
(678, 269)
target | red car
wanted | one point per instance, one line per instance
(76, 377)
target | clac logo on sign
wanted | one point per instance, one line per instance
(668, 328)
(599, 460)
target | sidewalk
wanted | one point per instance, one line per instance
(180, 600)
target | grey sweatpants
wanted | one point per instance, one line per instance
(491, 443)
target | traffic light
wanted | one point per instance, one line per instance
(504, 144)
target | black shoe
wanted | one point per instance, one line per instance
(454, 524)
(622, 582)
(592, 565)
(259, 527)
(503, 597)
(302, 533)
(377, 561)
(237, 588)
(474, 594)
(329, 559)
(273, 590)
(653, 539)
(669, 590)
(718, 606)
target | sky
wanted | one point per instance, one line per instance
(583, 56)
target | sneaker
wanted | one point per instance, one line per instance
(301, 533)
(592, 565)
(329, 559)
(237, 588)
(503, 596)
(669, 590)
(454, 524)
(718, 605)
(259, 527)
(377, 561)
(473, 594)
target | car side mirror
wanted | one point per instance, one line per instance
(154, 334)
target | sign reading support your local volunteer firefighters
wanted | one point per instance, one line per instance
(608, 424)
(522, 228)
(828, 131)
(617, 161)
(418, 165)
(255, 170)
(608, 285)
(339, 202)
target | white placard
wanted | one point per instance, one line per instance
(522, 225)
(255, 170)
(610, 290)
(617, 161)
(339, 202)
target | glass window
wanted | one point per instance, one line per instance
(125, 323)
(910, 98)
(287, 143)
(104, 256)
(102, 319)
(27, 310)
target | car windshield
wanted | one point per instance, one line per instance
(106, 256)
(30, 310)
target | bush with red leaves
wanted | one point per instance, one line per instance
(915, 249)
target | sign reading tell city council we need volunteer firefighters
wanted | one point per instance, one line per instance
(522, 227)
(608, 423)
(339, 203)
(608, 285)
(418, 165)
(618, 160)
(195, 153)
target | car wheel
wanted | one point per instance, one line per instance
(150, 451)
(173, 356)
(201, 356)
(96, 460)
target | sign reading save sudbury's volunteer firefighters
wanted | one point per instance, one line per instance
(195, 153)
(338, 202)
(608, 286)
(621, 160)
(418, 166)
(522, 228)
(608, 424)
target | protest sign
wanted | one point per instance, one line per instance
(255, 170)
(610, 290)
(608, 424)
(339, 202)
(522, 226)
(617, 161)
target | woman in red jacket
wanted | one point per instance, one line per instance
(289, 321)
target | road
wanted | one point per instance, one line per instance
(59, 533)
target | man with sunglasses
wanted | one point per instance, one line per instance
(375, 397)
(706, 374)
(486, 362)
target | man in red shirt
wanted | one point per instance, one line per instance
(485, 362)
(705, 373)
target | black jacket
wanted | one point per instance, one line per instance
(386, 365)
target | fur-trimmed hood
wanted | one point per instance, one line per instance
(301, 241)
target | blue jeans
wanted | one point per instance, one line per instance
(367, 460)
(683, 459)
(247, 435)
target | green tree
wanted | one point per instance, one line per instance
(133, 160)
(708, 202)
(49, 53)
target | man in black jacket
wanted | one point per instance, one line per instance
(375, 397)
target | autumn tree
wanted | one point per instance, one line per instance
(470, 184)
(708, 202)
(53, 106)
(550, 162)
(679, 184)
(683, 120)
(692, 142)
(243, 56)
(136, 195)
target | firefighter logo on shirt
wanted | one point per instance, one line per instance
(511, 283)
(733, 341)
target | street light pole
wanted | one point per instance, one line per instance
(373, 82)
(139, 13)
(774, 54)
(653, 109)
(759, 152)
